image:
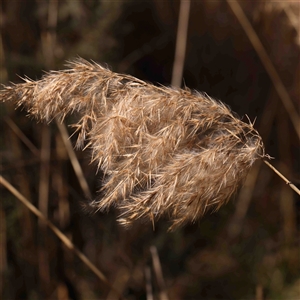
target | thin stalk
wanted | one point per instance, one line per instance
(57, 232)
(182, 30)
(289, 183)
(267, 63)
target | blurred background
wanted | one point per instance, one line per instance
(249, 249)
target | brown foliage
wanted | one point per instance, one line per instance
(163, 151)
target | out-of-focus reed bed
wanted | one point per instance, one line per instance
(162, 150)
(249, 249)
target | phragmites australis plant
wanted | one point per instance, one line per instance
(163, 151)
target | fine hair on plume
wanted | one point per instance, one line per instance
(163, 151)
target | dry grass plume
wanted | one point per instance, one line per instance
(163, 151)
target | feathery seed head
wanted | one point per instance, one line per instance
(163, 151)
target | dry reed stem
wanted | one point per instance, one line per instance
(48, 38)
(43, 201)
(289, 183)
(57, 232)
(259, 292)
(149, 290)
(73, 159)
(163, 151)
(266, 61)
(183, 21)
(292, 10)
(159, 274)
(19, 133)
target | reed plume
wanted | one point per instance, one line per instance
(163, 151)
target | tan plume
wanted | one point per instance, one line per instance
(163, 151)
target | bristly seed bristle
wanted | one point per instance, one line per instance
(163, 151)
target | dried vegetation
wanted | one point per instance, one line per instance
(252, 243)
(162, 150)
